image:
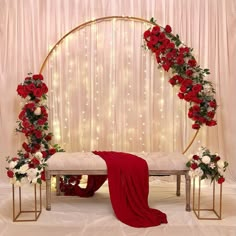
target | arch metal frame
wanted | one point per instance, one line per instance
(98, 20)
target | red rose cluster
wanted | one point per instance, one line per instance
(33, 123)
(33, 87)
(172, 54)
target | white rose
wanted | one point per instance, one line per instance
(221, 164)
(206, 159)
(24, 180)
(38, 155)
(37, 111)
(12, 164)
(31, 173)
(198, 172)
(23, 168)
(34, 181)
(191, 174)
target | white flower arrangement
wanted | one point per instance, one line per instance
(207, 166)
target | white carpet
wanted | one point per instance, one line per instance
(94, 216)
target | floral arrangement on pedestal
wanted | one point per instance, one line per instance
(28, 165)
(172, 54)
(207, 166)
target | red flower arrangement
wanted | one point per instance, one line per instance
(28, 165)
(172, 54)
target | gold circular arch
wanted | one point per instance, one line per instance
(98, 20)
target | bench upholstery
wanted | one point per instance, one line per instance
(87, 163)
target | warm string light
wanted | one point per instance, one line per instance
(95, 94)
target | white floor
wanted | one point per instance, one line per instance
(94, 216)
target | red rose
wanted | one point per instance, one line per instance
(48, 137)
(211, 123)
(15, 158)
(31, 87)
(149, 45)
(192, 63)
(44, 154)
(154, 39)
(52, 151)
(162, 36)
(180, 60)
(43, 176)
(221, 180)
(189, 72)
(35, 161)
(166, 66)
(211, 114)
(41, 121)
(212, 104)
(171, 45)
(196, 157)
(184, 50)
(146, 34)
(30, 106)
(172, 81)
(38, 92)
(21, 90)
(21, 115)
(26, 155)
(187, 82)
(190, 114)
(37, 146)
(183, 89)
(194, 166)
(196, 100)
(217, 158)
(36, 77)
(26, 123)
(196, 126)
(10, 174)
(155, 29)
(196, 108)
(44, 88)
(38, 134)
(197, 88)
(168, 29)
(181, 95)
(26, 147)
(179, 78)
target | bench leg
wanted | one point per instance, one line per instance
(48, 191)
(58, 191)
(188, 191)
(178, 185)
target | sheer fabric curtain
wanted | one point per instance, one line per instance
(105, 91)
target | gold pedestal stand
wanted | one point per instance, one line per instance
(27, 215)
(210, 211)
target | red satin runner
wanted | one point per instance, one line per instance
(128, 186)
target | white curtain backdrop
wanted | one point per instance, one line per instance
(105, 90)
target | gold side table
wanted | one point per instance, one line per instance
(211, 210)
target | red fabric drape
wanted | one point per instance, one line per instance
(128, 186)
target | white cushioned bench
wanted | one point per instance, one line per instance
(87, 163)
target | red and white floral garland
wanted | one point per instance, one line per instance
(171, 54)
(28, 165)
